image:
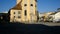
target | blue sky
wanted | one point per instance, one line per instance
(42, 5)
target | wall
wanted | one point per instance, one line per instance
(16, 19)
(30, 9)
(57, 16)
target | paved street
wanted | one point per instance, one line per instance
(16, 28)
(46, 23)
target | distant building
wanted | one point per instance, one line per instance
(4, 17)
(24, 11)
(47, 16)
(56, 17)
(41, 17)
(1, 16)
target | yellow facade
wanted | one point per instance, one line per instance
(29, 17)
(14, 17)
(28, 11)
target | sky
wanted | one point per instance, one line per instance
(42, 5)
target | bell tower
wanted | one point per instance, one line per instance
(29, 10)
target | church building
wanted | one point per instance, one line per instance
(24, 11)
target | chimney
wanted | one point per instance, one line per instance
(18, 1)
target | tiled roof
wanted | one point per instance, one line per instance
(18, 6)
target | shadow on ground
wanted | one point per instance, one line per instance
(16, 28)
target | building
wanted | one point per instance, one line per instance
(41, 17)
(24, 11)
(3, 17)
(47, 16)
(56, 17)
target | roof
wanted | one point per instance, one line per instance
(54, 13)
(18, 6)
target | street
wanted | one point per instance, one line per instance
(45, 23)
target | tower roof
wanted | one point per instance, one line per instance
(18, 6)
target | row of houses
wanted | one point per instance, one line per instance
(50, 16)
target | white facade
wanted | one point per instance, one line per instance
(57, 17)
(40, 16)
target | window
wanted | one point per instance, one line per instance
(25, 13)
(18, 12)
(14, 16)
(25, 4)
(31, 4)
(14, 12)
(19, 17)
